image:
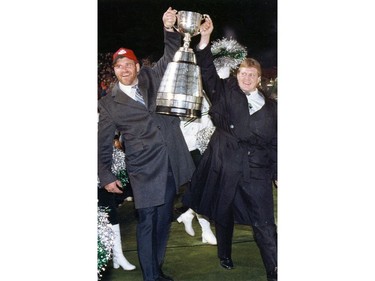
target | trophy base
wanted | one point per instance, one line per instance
(177, 111)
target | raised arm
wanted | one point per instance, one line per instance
(172, 42)
(205, 31)
(212, 83)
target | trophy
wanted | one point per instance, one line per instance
(181, 92)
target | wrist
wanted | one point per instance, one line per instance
(202, 45)
(168, 28)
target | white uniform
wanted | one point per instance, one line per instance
(192, 129)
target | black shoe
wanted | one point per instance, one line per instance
(163, 277)
(227, 263)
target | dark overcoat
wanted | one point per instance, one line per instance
(151, 141)
(239, 164)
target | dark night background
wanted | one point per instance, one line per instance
(137, 24)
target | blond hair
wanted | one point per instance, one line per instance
(250, 62)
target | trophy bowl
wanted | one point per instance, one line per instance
(189, 22)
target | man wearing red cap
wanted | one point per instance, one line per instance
(157, 157)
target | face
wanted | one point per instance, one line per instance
(126, 70)
(248, 78)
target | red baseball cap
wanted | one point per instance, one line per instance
(124, 53)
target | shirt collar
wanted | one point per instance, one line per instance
(128, 89)
(256, 100)
(252, 93)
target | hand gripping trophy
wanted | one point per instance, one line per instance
(180, 92)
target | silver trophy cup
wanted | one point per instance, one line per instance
(180, 92)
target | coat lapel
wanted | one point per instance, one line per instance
(121, 97)
(142, 87)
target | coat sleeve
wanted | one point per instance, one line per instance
(212, 84)
(172, 42)
(106, 133)
(273, 145)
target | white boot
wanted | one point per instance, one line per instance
(118, 256)
(187, 219)
(207, 235)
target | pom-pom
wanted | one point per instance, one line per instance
(203, 138)
(228, 52)
(106, 238)
(118, 167)
(123, 177)
(118, 161)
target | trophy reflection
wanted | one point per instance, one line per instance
(180, 92)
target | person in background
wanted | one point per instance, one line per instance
(108, 200)
(157, 157)
(190, 129)
(119, 169)
(233, 180)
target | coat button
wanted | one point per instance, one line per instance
(231, 126)
(158, 127)
(248, 153)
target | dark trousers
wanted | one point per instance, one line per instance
(153, 229)
(108, 200)
(224, 236)
(265, 236)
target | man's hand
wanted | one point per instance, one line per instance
(169, 18)
(113, 187)
(207, 26)
(205, 30)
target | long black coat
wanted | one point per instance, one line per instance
(149, 139)
(239, 163)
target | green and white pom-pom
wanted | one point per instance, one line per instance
(228, 52)
(105, 240)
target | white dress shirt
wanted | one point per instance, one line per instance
(255, 100)
(128, 89)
